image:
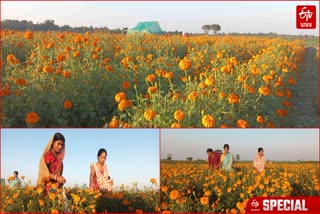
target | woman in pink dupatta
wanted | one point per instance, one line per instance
(99, 175)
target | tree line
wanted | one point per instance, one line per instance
(49, 25)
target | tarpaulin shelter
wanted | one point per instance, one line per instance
(147, 27)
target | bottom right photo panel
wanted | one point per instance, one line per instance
(238, 171)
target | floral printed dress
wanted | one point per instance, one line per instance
(101, 178)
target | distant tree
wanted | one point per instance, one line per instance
(206, 28)
(215, 28)
(169, 157)
(189, 158)
(237, 157)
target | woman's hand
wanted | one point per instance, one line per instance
(61, 179)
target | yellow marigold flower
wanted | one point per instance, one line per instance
(149, 114)
(185, 64)
(208, 121)
(120, 96)
(260, 119)
(264, 91)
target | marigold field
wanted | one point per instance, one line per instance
(80, 200)
(192, 187)
(112, 80)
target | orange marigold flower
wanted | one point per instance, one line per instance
(153, 181)
(193, 96)
(179, 115)
(32, 118)
(204, 200)
(241, 123)
(152, 89)
(47, 68)
(224, 126)
(164, 188)
(66, 74)
(176, 125)
(168, 75)
(76, 54)
(109, 68)
(120, 96)
(21, 81)
(264, 91)
(123, 104)
(251, 89)
(54, 210)
(279, 93)
(95, 56)
(28, 35)
(67, 49)
(149, 114)
(67, 104)
(61, 57)
(151, 78)
(174, 194)
(288, 94)
(202, 85)
(50, 45)
(114, 123)
(139, 211)
(270, 124)
(222, 95)
(125, 85)
(208, 121)
(207, 193)
(260, 119)
(282, 112)
(233, 98)
(11, 57)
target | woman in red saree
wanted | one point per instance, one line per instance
(99, 175)
(51, 163)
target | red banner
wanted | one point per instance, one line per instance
(283, 205)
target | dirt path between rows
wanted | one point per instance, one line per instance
(306, 101)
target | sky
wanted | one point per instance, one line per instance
(278, 144)
(233, 16)
(133, 154)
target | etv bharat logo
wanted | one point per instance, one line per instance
(255, 205)
(306, 17)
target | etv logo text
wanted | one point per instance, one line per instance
(306, 17)
(284, 205)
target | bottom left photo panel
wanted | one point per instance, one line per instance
(80, 170)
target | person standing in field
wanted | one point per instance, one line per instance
(226, 159)
(14, 181)
(51, 163)
(213, 159)
(259, 161)
(99, 175)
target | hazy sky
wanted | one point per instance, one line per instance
(233, 16)
(133, 154)
(278, 144)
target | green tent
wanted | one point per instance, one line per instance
(146, 27)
